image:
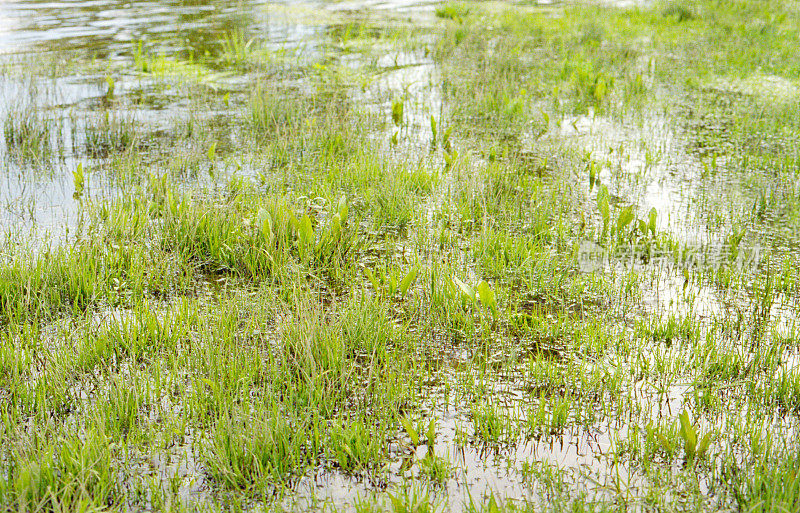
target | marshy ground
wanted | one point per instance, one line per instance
(400, 256)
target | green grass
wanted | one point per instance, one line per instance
(29, 136)
(309, 282)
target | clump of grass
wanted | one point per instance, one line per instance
(239, 50)
(315, 386)
(67, 474)
(275, 113)
(164, 67)
(679, 12)
(256, 454)
(494, 425)
(28, 135)
(358, 446)
(290, 121)
(436, 468)
(74, 279)
(453, 11)
(256, 237)
(772, 485)
(109, 136)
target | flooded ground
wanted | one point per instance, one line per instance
(399, 255)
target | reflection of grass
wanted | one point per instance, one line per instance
(163, 67)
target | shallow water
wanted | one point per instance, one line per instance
(108, 29)
(40, 204)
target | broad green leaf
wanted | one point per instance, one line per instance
(431, 433)
(397, 503)
(391, 283)
(342, 209)
(465, 289)
(446, 138)
(652, 222)
(293, 222)
(703, 446)
(264, 220)
(372, 279)
(625, 218)
(306, 229)
(493, 507)
(172, 202)
(410, 430)
(665, 444)
(486, 295)
(602, 204)
(336, 224)
(397, 112)
(409, 279)
(688, 433)
(78, 179)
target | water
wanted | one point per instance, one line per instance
(72, 47)
(108, 29)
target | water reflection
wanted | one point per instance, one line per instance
(108, 29)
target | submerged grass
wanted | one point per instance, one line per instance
(500, 317)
